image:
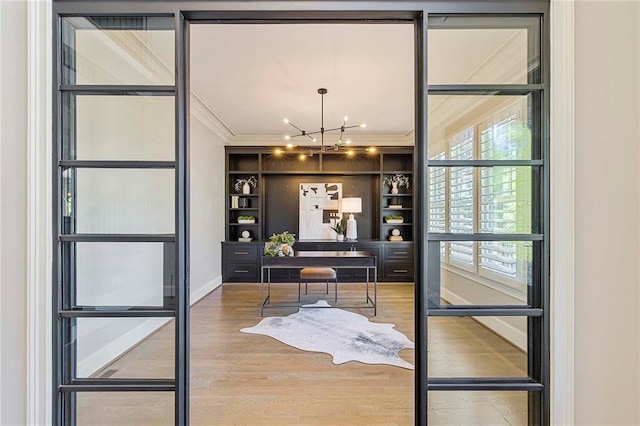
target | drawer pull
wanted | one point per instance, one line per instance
(399, 252)
(404, 271)
(244, 271)
(241, 252)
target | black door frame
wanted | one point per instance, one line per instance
(191, 12)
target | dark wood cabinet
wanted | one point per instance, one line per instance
(241, 261)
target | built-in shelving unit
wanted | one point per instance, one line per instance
(274, 204)
(366, 172)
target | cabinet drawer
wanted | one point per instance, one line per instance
(241, 272)
(399, 253)
(241, 253)
(398, 271)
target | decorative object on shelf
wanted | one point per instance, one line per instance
(395, 235)
(395, 232)
(396, 181)
(284, 241)
(235, 201)
(245, 185)
(243, 202)
(395, 203)
(246, 237)
(340, 228)
(246, 219)
(322, 91)
(394, 218)
(352, 205)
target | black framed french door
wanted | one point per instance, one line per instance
(463, 237)
(120, 208)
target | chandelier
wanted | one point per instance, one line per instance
(311, 135)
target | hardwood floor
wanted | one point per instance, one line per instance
(242, 379)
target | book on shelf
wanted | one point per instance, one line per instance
(396, 238)
(395, 206)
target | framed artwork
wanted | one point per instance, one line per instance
(319, 210)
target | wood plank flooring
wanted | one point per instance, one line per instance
(242, 379)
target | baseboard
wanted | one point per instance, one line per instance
(507, 331)
(102, 357)
(205, 289)
(107, 354)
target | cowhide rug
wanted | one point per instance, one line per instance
(345, 335)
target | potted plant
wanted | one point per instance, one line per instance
(394, 218)
(246, 219)
(340, 229)
(245, 184)
(284, 241)
(396, 181)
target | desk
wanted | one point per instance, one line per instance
(326, 259)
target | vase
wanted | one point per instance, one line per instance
(394, 187)
(340, 237)
(246, 189)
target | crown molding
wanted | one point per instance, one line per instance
(137, 50)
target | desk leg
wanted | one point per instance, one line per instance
(262, 301)
(268, 285)
(375, 291)
(367, 299)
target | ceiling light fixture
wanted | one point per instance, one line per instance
(322, 91)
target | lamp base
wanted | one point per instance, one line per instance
(352, 228)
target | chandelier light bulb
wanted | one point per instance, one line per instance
(363, 125)
(286, 121)
(348, 142)
(346, 118)
(287, 137)
(314, 139)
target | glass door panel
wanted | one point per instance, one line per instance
(116, 255)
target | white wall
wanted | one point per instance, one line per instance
(13, 192)
(207, 213)
(607, 321)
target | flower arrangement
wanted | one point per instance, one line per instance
(251, 181)
(398, 180)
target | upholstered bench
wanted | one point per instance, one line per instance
(318, 274)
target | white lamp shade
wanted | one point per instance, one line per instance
(352, 205)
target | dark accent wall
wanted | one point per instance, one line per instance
(281, 199)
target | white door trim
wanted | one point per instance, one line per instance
(39, 373)
(562, 210)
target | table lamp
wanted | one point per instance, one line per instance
(351, 206)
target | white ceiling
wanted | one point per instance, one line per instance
(253, 76)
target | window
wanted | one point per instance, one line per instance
(486, 199)
(461, 197)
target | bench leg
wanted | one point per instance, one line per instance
(335, 290)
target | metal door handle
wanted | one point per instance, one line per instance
(241, 270)
(399, 252)
(400, 270)
(240, 252)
